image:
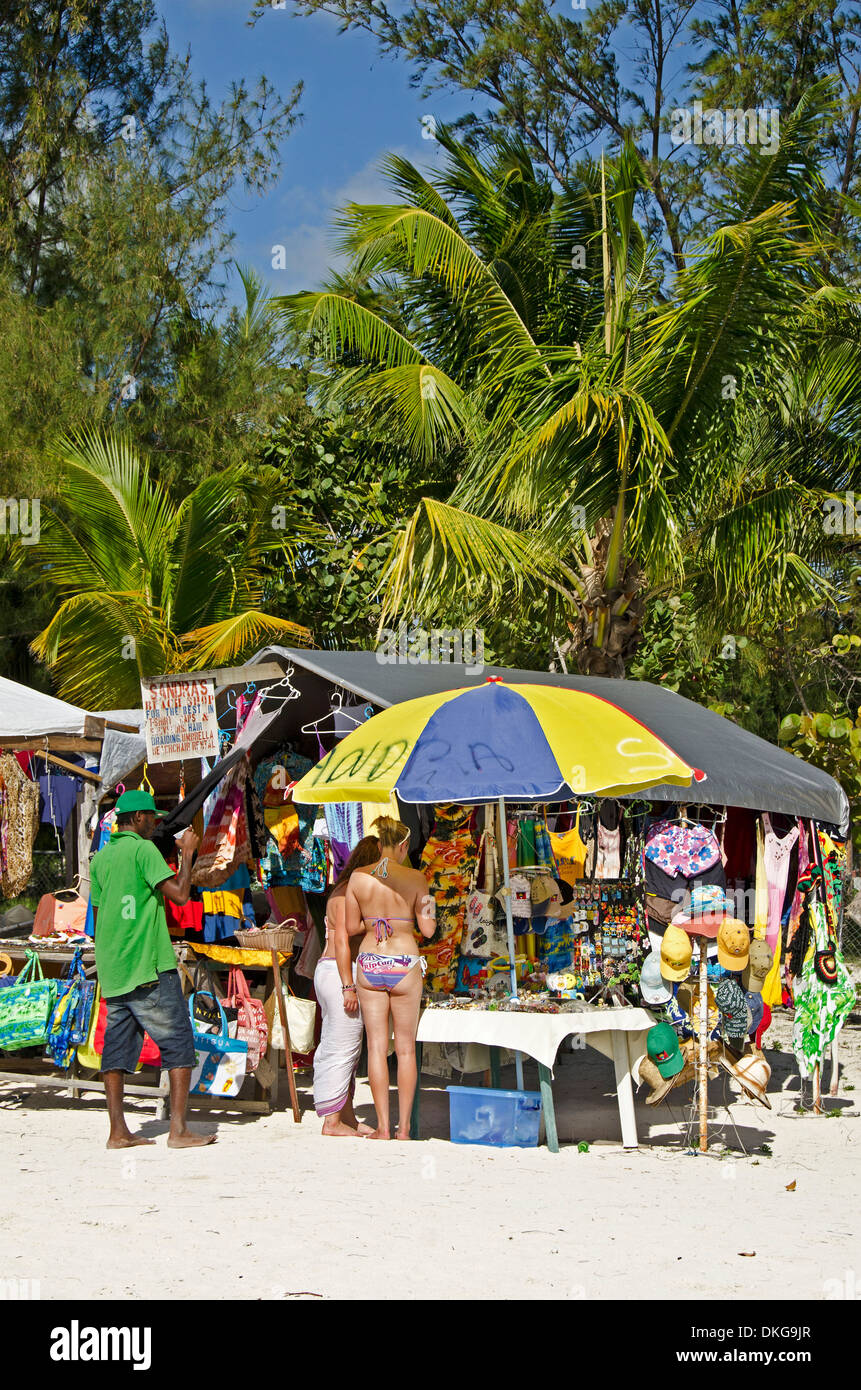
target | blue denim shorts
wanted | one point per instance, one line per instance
(158, 1009)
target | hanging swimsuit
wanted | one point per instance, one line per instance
(383, 971)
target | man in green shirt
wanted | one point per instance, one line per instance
(136, 965)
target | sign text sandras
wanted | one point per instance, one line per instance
(180, 719)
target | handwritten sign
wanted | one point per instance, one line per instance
(180, 719)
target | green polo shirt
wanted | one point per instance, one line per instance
(132, 942)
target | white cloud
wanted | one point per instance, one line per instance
(310, 243)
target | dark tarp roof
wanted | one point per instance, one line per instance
(742, 769)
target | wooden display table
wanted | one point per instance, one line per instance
(42, 1073)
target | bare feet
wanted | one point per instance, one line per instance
(378, 1134)
(364, 1129)
(128, 1141)
(403, 1136)
(338, 1130)
(189, 1140)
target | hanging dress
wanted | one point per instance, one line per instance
(820, 1009)
(777, 854)
(448, 862)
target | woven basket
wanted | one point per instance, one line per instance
(275, 939)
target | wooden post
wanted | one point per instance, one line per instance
(817, 1089)
(415, 1115)
(288, 1051)
(703, 1068)
(546, 1086)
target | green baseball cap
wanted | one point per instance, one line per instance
(662, 1046)
(136, 801)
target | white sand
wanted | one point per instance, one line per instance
(275, 1211)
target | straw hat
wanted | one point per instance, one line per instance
(753, 1075)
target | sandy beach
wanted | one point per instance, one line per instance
(274, 1211)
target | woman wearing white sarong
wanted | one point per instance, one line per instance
(337, 1054)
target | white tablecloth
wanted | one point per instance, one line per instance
(538, 1035)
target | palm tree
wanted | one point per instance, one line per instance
(600, 419)
(145, 585)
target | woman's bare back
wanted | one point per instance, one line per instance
(390, 893)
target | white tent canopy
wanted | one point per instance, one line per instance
(26, 713)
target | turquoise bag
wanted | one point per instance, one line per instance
(26, 1008)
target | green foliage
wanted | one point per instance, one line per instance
(117, 168)
(625, 420)
(565, 83)
(142, 584)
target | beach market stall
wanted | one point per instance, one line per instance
(613, 899)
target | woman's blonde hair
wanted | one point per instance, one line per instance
(389, 832)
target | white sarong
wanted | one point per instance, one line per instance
(340, 1044)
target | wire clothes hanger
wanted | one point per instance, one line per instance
(339, 711)
(292, 692)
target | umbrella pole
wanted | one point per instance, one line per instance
(703, 1068)
(509, 923)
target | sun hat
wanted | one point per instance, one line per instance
(662, 1046)
(688, 998)
(733, 944)
(758, 965)
(707, 908)
(136, 801)
(659, 1086)
(676, 954)
(653, 987)
(753, 1074)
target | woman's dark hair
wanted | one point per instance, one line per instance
(367, 851)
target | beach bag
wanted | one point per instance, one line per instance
(521, 896)
(70, 1020)
(480, 937)
(26, 1008)
(220, 1061)
(250, 1025)
(87, 1054)
(301, 1022)
(150, 1054)
(472, 973)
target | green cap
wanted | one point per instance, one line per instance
(136, 801)
(662, 1046)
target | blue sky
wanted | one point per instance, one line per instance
(356, 106)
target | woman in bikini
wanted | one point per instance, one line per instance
(385, 903)
(337, 1053)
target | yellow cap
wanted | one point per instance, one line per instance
(733, 944)
(676, 954)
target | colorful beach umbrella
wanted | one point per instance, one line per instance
(475, 745)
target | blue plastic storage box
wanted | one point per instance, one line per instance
(504, 1119)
